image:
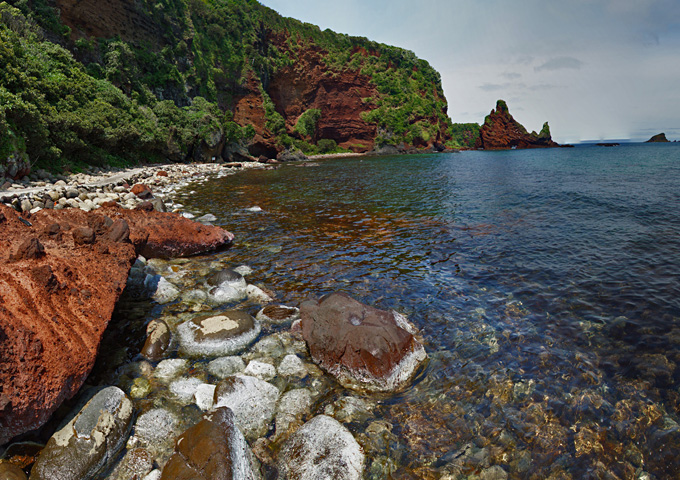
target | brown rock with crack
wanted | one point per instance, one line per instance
(502, 132)
(363, 347)
(57, 297)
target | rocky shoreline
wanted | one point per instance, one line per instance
(210, 375)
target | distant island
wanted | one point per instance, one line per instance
(660, 138)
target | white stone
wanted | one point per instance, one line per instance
(243, 270)
(185, 388)
(261, 370)
(257, 295)
(226, 293)
(292, 366)
(171, 368)
(203, 396)
(166, 292)
(252, 400)
(154, 428)
(292, 406)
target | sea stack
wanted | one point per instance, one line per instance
(502, 132)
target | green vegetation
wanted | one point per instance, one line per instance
(465, 134)
(66, 101)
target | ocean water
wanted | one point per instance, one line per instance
(545, 283)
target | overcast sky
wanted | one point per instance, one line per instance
(595, 69)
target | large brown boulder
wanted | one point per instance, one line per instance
(363, 347)
(57, 296)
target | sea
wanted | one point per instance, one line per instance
(545, 284)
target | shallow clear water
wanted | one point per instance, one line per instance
(545, 283)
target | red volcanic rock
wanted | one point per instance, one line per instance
(164, 235)
(57, 294)
(142, 191)
(363, 347)
(161, 173)
(501, 132)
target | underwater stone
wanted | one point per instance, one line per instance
(215, 335)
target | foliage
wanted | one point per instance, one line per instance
(307, 122)
(465, 134)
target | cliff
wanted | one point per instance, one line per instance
(185, 80)
(660, 138)
(501, 131)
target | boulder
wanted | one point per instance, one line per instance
(252, 400)
(213, 449)
(142, 191)
(57, 298)
(158, 339)
(293, 405)
(217, 335)
(9, 471)
(321, 448)
(90, 442)
(363, 347)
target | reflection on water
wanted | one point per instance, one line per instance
(545, 284)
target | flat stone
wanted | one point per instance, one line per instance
(154, 430)
(171, 368)
(184, 389)
(278, 314)
(292, 366)
(226, 366)
(216, 335)
(293, 405)
(321, 448)
(261, 370)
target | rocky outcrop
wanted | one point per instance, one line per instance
(61, 273)
(660, 138)
(502, 132)
(363, 347)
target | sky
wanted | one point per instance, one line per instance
(594, 69)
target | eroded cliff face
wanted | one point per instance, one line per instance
(342, 93)
(501, 132)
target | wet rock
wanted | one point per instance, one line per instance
(170, 368)
(214, 449)
(257, 295)
(363, 347)
(278, 314)
(204, 396)
(158, 339)
(164, 292)
(227, 276)
(292, 366)
(89, 442)
(226, 366)
(261, 370)
(11, 472)
(217, 335)
(184, 389)
(226, 294)
(293, 405)
(154, 430)
(349, 409)
(252, 400)
(321, 448)
(135, 465)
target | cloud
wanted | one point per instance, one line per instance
(560, 63)
(493, 87)
(511, 75)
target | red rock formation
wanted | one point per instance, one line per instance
(501, 132)
(61, 273)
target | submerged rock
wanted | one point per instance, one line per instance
(252, 400)
(321, 449)
(217, 335)
(214, 449)
(158, 339)
(363, 347)
(11, 472)
(278, 314)
(89, 442)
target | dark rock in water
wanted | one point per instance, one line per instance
(225, 276)
(321, 448)
(660, 138)
(613, 144)
(214, 449)
(221, 334)
(501, 132)
(11, 472)
(90, 442)
(158, 339)
(278, 314)
(363, 347)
